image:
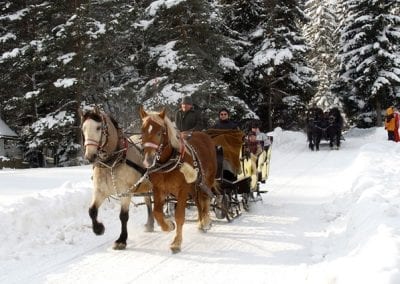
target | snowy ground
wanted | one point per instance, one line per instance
(329, 217)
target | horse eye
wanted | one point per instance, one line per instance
(98, 128)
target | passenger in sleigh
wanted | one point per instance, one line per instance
(254, 146)
(261, 137)
(265, 142)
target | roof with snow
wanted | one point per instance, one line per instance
(5, 131)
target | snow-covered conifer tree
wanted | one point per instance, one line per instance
(320, 32)
(369, 55)
(278, 65)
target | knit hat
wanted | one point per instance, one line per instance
(187, 100)
(224, 110)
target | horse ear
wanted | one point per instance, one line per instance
(97, 110)
(162, 113)
(142, 112)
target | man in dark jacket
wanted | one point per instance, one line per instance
(224, 122)
(188, 118)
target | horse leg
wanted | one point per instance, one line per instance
(338, 134)
(317, 141)
(316, 144)
(311, 145)
(331, 140)
(159, 200)
(179, 220)
(149, 226)
(97, 227)
(331, 136)
(204, 211)
(120, 244)
(310, 141)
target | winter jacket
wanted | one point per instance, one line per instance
(225, 124)
(390, 120)
(254, 147)
(263, 139)
(189, 120)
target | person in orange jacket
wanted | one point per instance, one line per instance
(392, 124)
(396, 126)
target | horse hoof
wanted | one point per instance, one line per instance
(119, 246)
(205, 227)
(175, 249)
(171, 226)
(148, 228)
(98, 229)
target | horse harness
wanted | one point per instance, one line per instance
(176, 158)
(117, 157)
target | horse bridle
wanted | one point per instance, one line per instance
(172, 163)
(104, 133)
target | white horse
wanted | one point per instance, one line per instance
(117, 170)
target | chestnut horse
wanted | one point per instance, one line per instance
(117, 170)
(179, 164)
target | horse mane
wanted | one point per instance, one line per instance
(91, 115)
(97, 117)
(173, 133)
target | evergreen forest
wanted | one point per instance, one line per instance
(268, 60)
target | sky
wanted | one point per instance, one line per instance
(329, 217)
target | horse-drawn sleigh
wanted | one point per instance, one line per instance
(324, 126)
(182, 167)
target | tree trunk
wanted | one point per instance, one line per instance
(378, 109)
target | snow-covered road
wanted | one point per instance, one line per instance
(329, 217)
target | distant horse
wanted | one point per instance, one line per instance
(316, 126)
(334, 129)
(117, 170)
(179, 164)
